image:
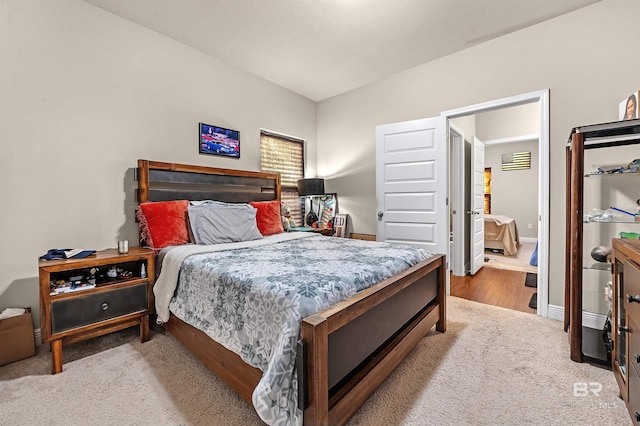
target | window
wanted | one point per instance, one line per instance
(284, 155)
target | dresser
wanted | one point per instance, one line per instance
(626, 322)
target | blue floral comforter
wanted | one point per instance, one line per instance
(252, 300)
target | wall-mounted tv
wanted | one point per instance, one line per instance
(219, 141)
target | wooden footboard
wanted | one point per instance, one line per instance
(334, 405)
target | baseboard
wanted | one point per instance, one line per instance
(528, 240)
(589, 319)
(37, 336)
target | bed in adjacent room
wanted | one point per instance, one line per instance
(501, 233)
(303, 326)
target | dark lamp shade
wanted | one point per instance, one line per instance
(307, 187)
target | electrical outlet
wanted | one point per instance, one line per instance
(530, 226)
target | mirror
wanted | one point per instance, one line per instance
(321, 209)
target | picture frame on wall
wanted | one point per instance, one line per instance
(215, 140)
(340, 225)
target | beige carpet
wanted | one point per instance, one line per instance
(493, 366)
(519, 262)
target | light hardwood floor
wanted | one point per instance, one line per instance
(497, 287)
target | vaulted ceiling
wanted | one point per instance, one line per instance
(321, 48)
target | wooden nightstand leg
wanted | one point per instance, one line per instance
(56, 356)
(144, 328)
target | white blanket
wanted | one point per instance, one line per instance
(166, 283)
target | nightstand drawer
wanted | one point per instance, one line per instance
(88, 309)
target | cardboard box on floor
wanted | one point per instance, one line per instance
(16, 337)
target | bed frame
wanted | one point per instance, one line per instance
(346, 351)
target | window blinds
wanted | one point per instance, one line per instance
(279, 154)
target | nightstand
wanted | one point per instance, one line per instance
(85, 298)
(322, 231)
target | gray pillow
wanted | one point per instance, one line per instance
(215, 224)
(214, 203)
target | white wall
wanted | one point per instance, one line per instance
(521, 120)
(515, 192)
(85, 94)
(582, 57)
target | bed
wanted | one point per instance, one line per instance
(342, 352)
(501, 233)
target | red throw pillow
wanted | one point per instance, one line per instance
(268, 217)
(164, 223)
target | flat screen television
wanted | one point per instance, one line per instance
(216, 140)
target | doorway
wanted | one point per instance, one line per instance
(458, 187)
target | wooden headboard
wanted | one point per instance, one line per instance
(170, 181)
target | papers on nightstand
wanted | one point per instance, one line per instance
(68, 288)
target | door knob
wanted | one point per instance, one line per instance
(380, 214)
(632, 299)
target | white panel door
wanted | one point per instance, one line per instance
(411, 184)
(477, 206)
(457, 203)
